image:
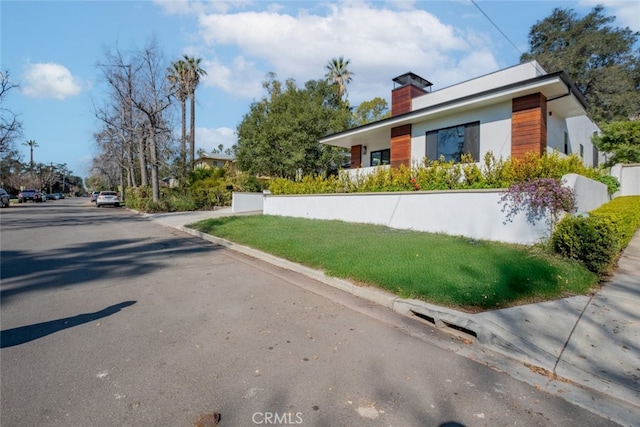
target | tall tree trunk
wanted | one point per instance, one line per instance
(183, 139)
(192, 135)
(131, 170)
(153, 153)
(142, 158)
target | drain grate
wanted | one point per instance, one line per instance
(439, 323)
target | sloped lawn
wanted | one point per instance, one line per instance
(452, 271)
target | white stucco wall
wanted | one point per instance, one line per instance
(495, 130)
(372, 146)
(629, 177)
(581, 129)
(246, 202)
(590, 194)
(556, 128)
(475, 214)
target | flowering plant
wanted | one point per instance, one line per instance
(541, 198)
(415, 184)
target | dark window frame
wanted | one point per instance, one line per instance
(384, 160)
(438, 139)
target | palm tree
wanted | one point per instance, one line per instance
(193, 73)
(31, 144)
(177, 75)
(338, 74)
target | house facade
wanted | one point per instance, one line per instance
(214, 160)
(510, 112)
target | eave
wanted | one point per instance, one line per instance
(563, 97)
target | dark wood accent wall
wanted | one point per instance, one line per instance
(356, 156)
(401, 146)
(529, 125)
(401, 99)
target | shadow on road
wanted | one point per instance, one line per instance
(24, 334)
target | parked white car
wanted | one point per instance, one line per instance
(109, 198)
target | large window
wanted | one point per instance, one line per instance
(451, 143)
(382, 157)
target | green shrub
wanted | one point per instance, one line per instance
(135, 197)
(611, 182)
(624, 213)
(592, 240)
(441, 175)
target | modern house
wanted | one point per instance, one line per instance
(509, 113)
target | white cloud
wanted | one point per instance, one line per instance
(381, 40)
(49, 80)
(241, 78)
(183, 7)
(209, 139)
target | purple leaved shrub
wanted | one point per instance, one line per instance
(541, 198)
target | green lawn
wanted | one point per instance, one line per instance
(445, 270)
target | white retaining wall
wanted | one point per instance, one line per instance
(629, 177)
(246, 202)
(475, 214)
(590, 194)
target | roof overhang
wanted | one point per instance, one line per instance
(563, 98)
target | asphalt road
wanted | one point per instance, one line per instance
(109, 319)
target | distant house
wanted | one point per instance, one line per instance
(214, 160)
(509, 112)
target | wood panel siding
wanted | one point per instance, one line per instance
(529, 125)
(401, 99)
(401, 146)
(356, 156)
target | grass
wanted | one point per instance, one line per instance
(452, 271)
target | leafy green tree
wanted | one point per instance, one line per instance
(371, 111)
(599, 58)
(621, 140)
(279, 135)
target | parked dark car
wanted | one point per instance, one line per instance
(5, 200)
(30, 196)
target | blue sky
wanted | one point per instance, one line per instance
(51, 49)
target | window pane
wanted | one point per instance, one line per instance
(472, 140)
(432, 145)
(451, 143)
(382, 157)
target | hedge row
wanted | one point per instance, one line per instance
(440, 175)
(596, 240)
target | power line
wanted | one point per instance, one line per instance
(497, 28)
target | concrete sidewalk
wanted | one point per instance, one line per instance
(585, 349)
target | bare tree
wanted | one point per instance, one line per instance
(135, 120)
(120, 119)
(10, 126)
(153, 100)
